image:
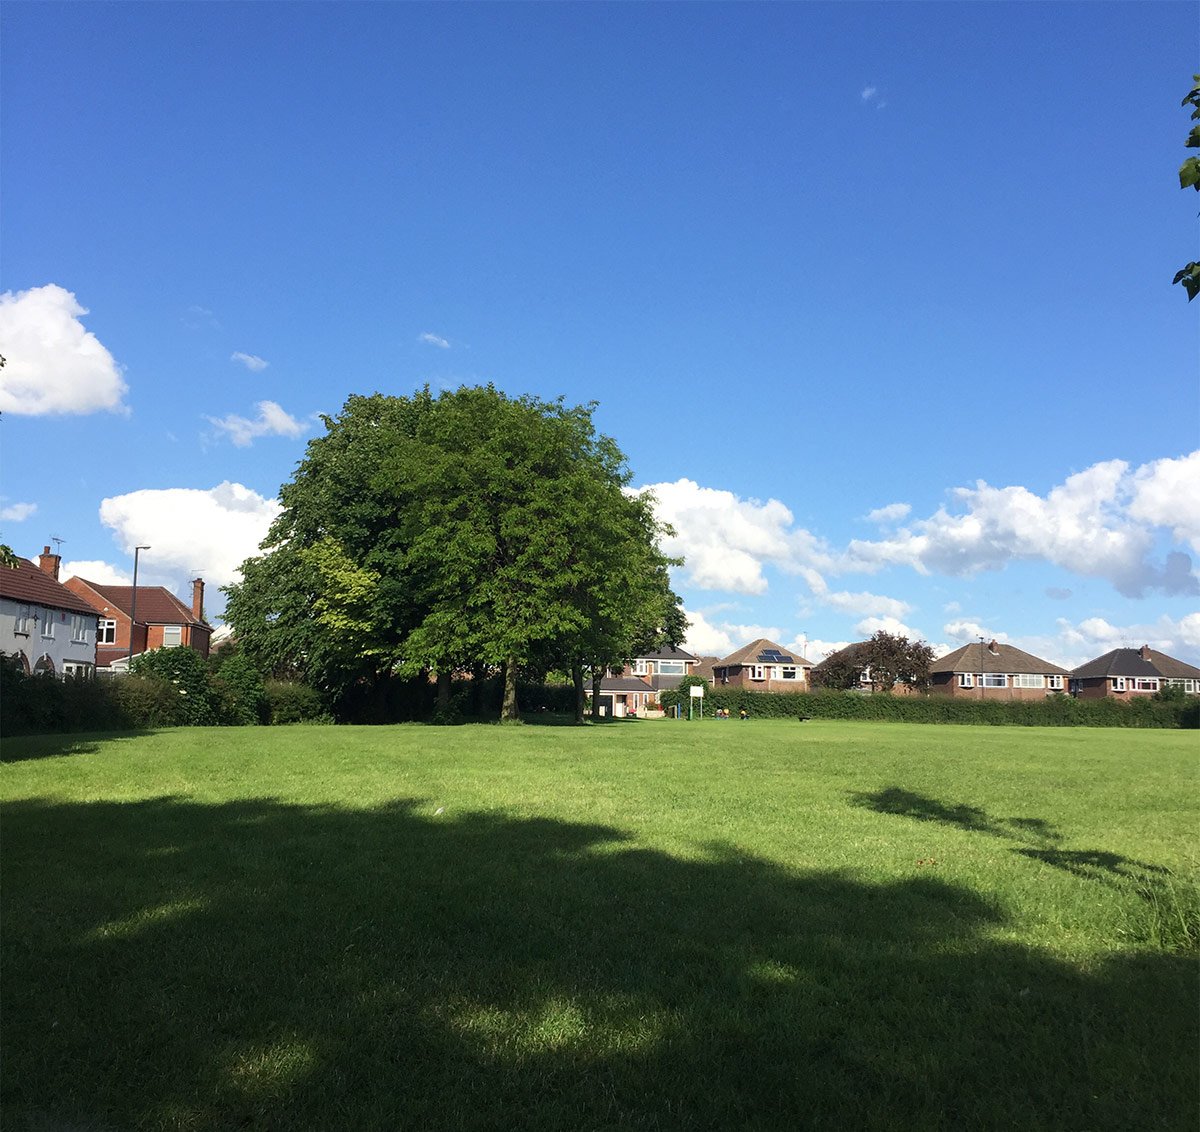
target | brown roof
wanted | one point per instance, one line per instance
(704, 667)
(994, 657)
(749, 654)
(27, 583)
(852, 653)
(669, 653)
(1135, 662)
(156, 605)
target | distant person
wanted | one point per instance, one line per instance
(743, 714)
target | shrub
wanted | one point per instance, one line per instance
(239, 687)
(289, 702)
(185, 670)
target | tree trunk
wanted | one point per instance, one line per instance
(577, 680)
(443, 690)
(597, 676)
(509, 712)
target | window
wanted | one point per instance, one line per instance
(995, 680)
(1118, 683)
(79, 627)
(107, 633)
(641, 667)
(966, 680)
(756, 672)
(73, 668)
(672, 668)
(1056, 682)
(1145, 684)
(789, 674)
(48, 626)
(1024, 680)
(172, 636)
(24, 618)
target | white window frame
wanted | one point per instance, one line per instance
(756, 672)
(1055, 683)
(1145, 684)
(71, 668)
(1118, 683)
(641, 668)
(966, 680)
(990, 678)
(671, 667)
(106, 631)
(23, 618)
(789, 672)
(177, 632)
(79, 628)
(48, 626)
(1028, 680)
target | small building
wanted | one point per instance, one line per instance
(632, 689)
(163, 621)
(1126, 674)
(43, 625)
(994, 671)
(763, 666)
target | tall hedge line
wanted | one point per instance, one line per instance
(1054, 711)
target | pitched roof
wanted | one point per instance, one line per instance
(978, 657)
(1136, 662)
(704, 667)
(852, 653)
(624, 684)
(749, 654)
(669, 653)
(28, 583)
(156, 605)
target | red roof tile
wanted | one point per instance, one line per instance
(156, 605)
(28, 583)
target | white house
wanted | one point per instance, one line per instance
(42, 623)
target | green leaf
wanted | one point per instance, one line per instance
(1189, 174)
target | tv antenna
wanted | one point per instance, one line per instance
(57, 543)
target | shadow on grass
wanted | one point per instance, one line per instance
(262, 965)
(22, 748)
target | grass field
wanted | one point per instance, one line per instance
(639, 925)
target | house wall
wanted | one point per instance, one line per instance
(1100, 688)
(34, 645)
(741, 678)
(145, 637)
(946, 684)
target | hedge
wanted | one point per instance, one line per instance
(1054, 711)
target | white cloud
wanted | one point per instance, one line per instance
(17, 512)
(54, 365)
(892, 513)
(868, 92)
(272, 420)
(191, 531)
(1098, 523)
(251, 361)
(707, 637)
(726, 541)
(964, 632)
(868, 626)
(434, 340)
(96, 570)
(1166, 493)
(867, 604)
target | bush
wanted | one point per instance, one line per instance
(289, 702)
(1054, 711)
(184, 670)
(242, 699)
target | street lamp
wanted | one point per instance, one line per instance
(133, 600)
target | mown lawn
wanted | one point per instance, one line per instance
(640, 925)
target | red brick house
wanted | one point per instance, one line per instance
(763, 666)
(163, 621)
(995, 672)
(636, 686)
(1125, 674)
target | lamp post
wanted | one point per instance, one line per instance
(133, 600)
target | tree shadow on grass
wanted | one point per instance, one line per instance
(22, 748)
(267, 965)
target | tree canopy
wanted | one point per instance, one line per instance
(468, 531)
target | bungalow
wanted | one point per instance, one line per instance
(1128, 673)
(163, 621)
(43, 625)
(995, 672)
(763, 666)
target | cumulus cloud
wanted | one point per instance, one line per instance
(434, 340)
(189, 530)
(867, 604)
(1098, 523)
(710, 637)
(96, 570)
(54, 364)
(251, 361)
(272, 420)
(892, 513)
(868, 626)
(17, 512)
(726, 541)
(964, 632)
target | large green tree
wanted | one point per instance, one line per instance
(467, 531)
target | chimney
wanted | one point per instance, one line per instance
(49, 563)
(1145, 651)
(198, 599)
(993, 648)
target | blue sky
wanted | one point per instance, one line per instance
(876, 297)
